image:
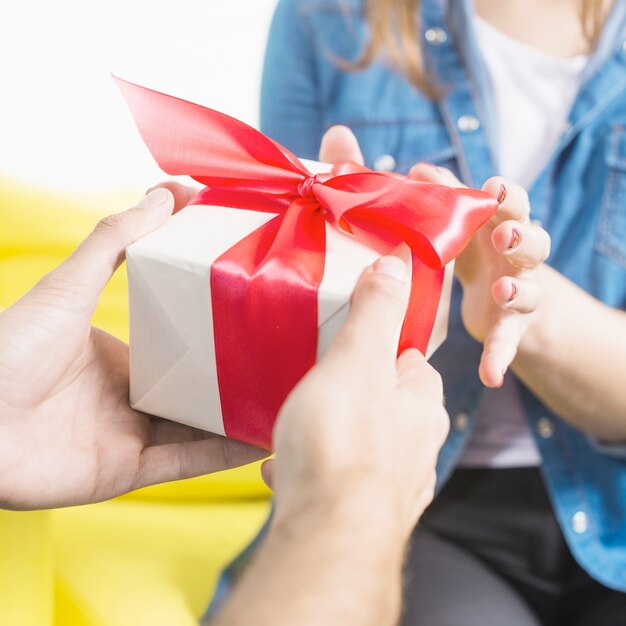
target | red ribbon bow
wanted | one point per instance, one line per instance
(264, 289)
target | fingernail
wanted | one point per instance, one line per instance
(502, 194)
(513, 293)
(155, 198)
(516, 237)
(391, 266)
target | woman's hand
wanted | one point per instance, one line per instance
(67, 433)
(497, 272)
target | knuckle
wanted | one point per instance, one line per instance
(116, 225)
(111, 222)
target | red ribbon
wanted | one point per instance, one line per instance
(264, 289)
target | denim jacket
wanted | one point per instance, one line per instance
(580, 198)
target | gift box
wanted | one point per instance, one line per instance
(234, 299)
(173, 368)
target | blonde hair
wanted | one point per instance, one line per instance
(394, 29)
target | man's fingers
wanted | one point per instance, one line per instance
(500, 348)
(182, 193)
(339, 144)
(415, 371)
(165, 431)
(524, 245)
(429, 173)
(372, 330)
(518, 294)
(410, 365)
(176, 461)
(513, 198)
(90, 267)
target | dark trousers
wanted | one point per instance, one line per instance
(489, 552)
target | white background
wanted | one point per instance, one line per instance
(63, 123)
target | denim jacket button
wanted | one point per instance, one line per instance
(580, 522)
(468, 123)
(436, 36)
(461, 421)
(545, 428)
(384, 163)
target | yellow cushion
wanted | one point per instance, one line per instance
(149, 557)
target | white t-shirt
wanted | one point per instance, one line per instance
(533, 93)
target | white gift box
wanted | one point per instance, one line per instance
(173, 370)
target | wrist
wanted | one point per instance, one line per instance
(360, 513)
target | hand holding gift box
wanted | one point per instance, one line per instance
(225, 304)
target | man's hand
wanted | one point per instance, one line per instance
(364, 425)
(356, 444)
(67, 433)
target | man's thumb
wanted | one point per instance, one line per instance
(378, 308)
(86, 272)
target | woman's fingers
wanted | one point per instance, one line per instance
(517, 294)
(513, 199)
(500, 348)
(429, 173)
(339, 144)
(177, 461)
(524, 245)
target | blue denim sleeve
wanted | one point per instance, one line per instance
(290, 109)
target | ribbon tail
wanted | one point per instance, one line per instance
(264, 293)
(426, 287)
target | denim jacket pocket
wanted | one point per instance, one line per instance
(611, 239)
